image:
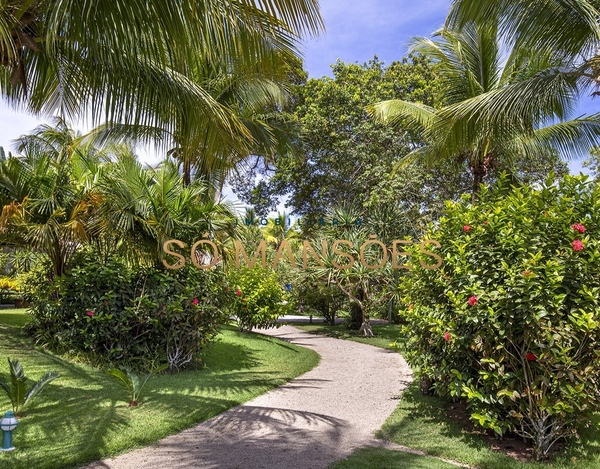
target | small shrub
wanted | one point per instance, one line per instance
(17, 390)
(133, 384)
(256, 297)
(510, 321)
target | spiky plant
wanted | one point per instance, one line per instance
(17, 390)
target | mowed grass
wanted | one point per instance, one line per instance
(421, 422)
(378, 458)
(83, 415)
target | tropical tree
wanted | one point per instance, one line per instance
(569, 28)
(280, 228)
(500, 106)
(343, 155)
(45, 193)
(142, 207)
(118, 62)
(197, 142)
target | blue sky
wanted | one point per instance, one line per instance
(356, 31)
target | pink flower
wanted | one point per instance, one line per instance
(472, 300)
(530, 357)
(579, 227)
(90, 313)
(447, 336)
(195, 301)
(238, 293)
(467, 228)
(578, 245)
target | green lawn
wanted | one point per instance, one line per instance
(421, 422)
(377, 458)
(83, 416)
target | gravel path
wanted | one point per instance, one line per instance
(314, 420)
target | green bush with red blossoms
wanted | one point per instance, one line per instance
(510, 322)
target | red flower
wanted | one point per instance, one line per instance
(195, 301)
(579, 227)
(90, 313)
(530, 357)
(527, 273)
(238, 293)
(485, 222)
(105, 303)
(447, 336)
(472, 300)
(578, 245)
(467, 228)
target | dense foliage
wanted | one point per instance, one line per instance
(111, 312)
(257, 298)
(344, 155)
(510, 321)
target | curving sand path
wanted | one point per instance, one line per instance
(314, 420)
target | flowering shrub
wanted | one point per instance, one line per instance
(142, 317)
(510, 321)
(258, 298)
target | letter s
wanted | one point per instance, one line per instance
(168, 252)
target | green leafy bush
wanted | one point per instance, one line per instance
(510, 321)
(256, 297)
(321, 299)
(114, 313)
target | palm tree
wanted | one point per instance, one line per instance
(499, 105)
(568, 27)
(131, 61)
(198, 143)
(278, 229)
(139, 208)
(44, 193)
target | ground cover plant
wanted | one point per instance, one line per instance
(87, 405)
(378, 458)
(424, 423)
(508, 323)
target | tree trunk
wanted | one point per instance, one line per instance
(187, 173)
(357, 316)
(479, 171)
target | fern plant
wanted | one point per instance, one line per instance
(17, 389)
(132, 382)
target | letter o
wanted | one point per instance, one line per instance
(215, 256)
(373, 240)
